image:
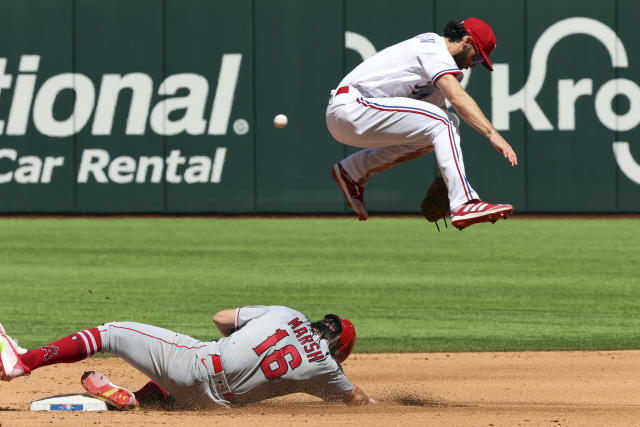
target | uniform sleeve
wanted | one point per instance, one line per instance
(434, 59)
(332, 385)
(245, 314)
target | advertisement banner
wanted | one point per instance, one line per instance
(37, 173)
(167, 106)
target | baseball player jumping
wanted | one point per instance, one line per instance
(267, 351)
(393, 105)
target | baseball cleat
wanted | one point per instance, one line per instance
(10, 364)
(353, 192)
(476, 211)
(99, 386)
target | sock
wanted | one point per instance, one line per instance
(69, 349)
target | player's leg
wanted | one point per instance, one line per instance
(395, 130)
(72, 348)
(448, 151)
(17, 361)
(389, 137)
(365, 163)
(166, 357)
(352, 191)
(370, 161)
(465, 204)
(390, 126)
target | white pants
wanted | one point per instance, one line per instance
(395, 130)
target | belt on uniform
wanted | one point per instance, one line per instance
(343, 89)
(219, 380)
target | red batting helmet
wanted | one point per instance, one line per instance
(347, 336)
(347, 340)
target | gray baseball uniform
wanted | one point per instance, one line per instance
(273, 352)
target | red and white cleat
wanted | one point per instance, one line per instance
(353, 192)
(99, 386)
(10, 364)
(476, 211)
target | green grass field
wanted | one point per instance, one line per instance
(522, 284)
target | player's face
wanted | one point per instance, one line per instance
(468, 57)
(476, 59)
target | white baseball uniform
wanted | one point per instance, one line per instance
(272, 353)
(390, 104)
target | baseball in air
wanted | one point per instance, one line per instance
(280, 121)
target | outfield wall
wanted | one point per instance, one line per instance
(166, 106)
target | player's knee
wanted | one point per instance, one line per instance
(455, 120)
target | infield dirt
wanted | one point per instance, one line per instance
(490, 389)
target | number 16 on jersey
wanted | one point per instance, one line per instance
(276, 365)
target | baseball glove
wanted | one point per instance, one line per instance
(435, 205)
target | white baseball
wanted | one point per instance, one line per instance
(280, 121)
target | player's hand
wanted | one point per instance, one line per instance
(358, 397)
(502, 146)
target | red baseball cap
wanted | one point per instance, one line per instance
(482, 37)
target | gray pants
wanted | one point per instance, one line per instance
(175, 361)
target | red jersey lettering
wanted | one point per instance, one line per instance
(299, 332)
(313, 346)
(304, 340)
(315, 357)
(294, 323)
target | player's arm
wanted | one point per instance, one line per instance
(471, 113)
(358, 397)
(225, 321)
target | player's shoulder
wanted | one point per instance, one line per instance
(430, 43)
(246, 313)
(281, 310)
(428, 38)
(265, 308)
